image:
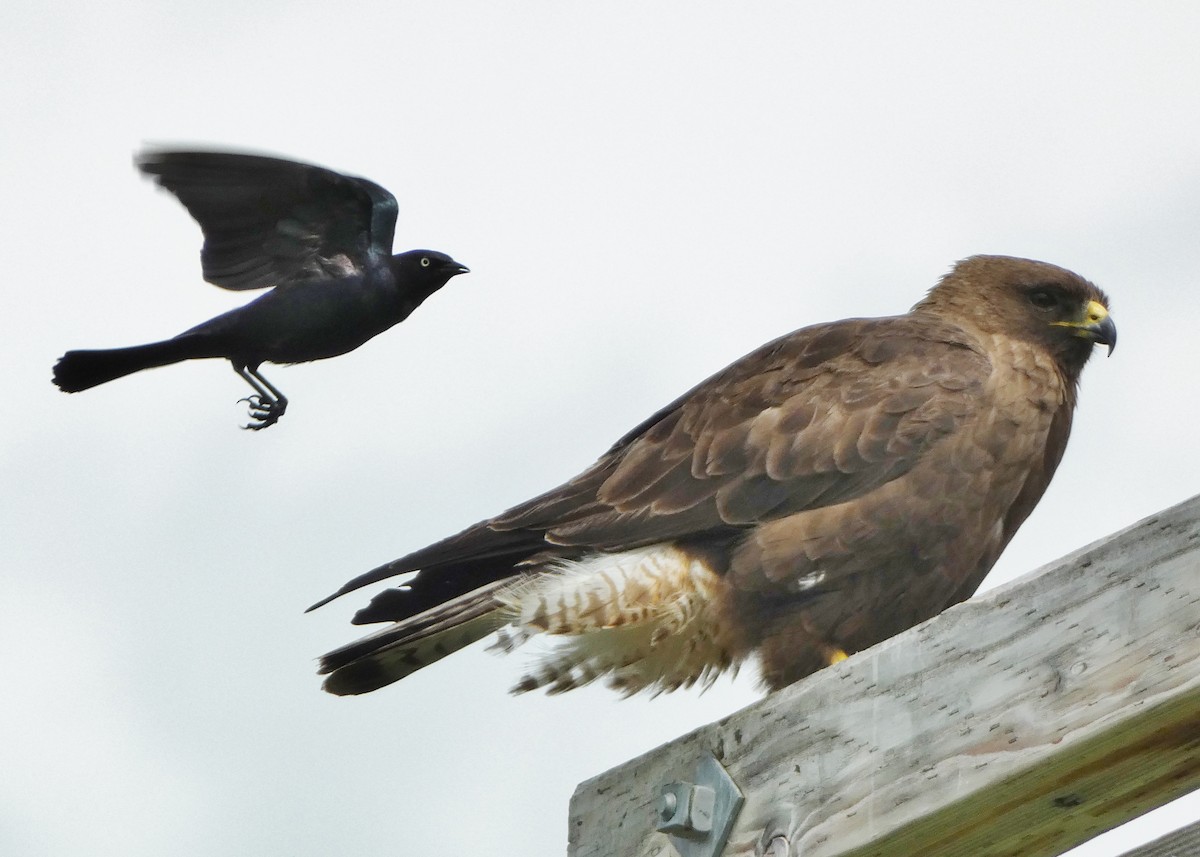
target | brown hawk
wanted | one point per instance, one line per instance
(823, 493)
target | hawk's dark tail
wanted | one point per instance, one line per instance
(405, 647)
(82, 370)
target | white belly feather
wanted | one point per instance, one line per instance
(642, 619)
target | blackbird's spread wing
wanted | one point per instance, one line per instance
(816, 418)
(271, 222)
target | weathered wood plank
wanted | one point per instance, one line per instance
(1020, 723)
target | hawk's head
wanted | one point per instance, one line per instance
(1027, 300)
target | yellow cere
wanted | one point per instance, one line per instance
(1094, 313)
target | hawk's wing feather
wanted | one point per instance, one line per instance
(445, 627)
(778, 432)
(271, 222)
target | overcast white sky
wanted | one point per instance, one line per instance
(644, 192)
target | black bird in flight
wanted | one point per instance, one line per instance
(323, 240)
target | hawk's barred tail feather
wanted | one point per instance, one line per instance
(643, 620)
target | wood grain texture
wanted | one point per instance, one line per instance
(1021, 723)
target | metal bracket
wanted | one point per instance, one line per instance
(699, 815)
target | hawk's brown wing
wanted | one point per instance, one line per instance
(816, 418)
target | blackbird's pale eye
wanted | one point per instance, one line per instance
(425, 262)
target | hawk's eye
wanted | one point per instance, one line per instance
(1042, 299)
(424, 261)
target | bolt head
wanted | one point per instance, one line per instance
(667, 802)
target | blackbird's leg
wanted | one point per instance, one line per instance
(268, 405)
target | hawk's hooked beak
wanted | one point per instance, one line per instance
(1096, 325)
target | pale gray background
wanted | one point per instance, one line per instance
(645, 191)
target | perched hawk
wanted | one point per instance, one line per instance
(827, 491)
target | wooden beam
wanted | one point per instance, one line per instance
(1022, 722)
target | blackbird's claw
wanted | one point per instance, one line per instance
(266, 411)
(267, 405)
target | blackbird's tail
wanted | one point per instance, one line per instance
(82, 370)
